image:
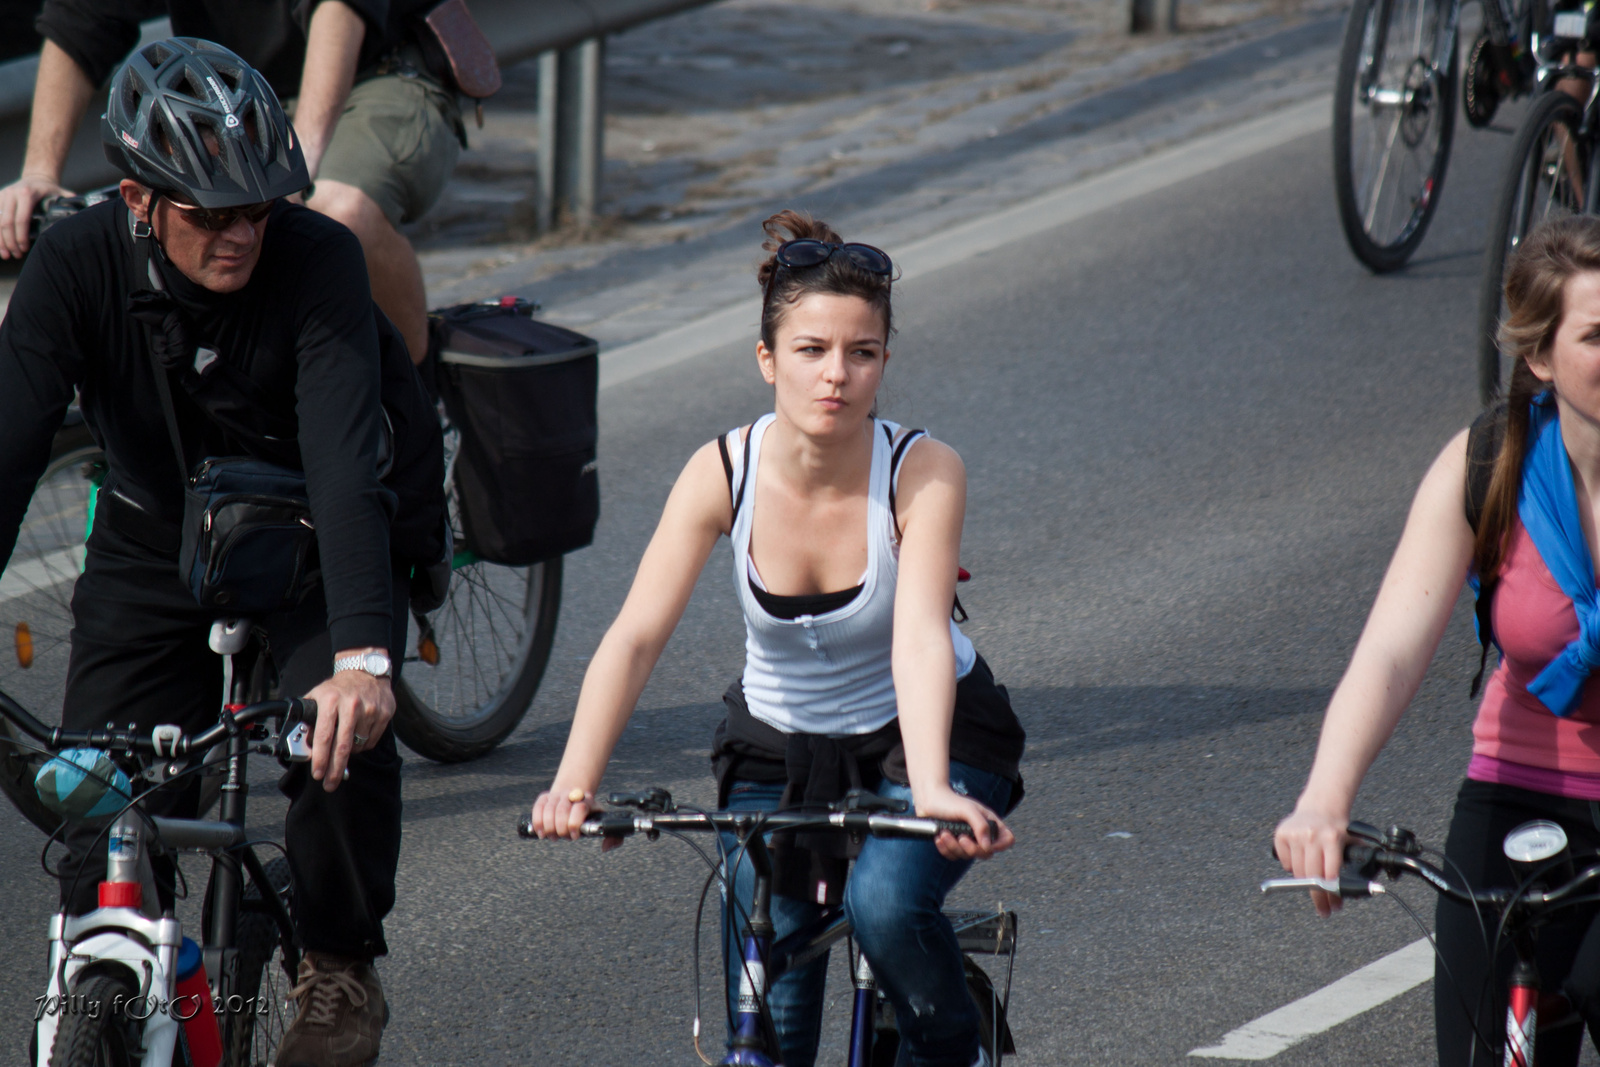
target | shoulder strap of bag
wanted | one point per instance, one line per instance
(1484, 440)
(141, 261)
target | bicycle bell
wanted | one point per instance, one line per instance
(1536, 843)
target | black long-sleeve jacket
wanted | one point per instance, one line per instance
(305, 332)
(270, 35)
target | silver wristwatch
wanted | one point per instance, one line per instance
(374, 663)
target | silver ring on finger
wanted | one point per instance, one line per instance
(360, 740)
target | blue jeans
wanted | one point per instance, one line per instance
(894, 899)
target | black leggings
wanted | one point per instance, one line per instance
(1568, 947)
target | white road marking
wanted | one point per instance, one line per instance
(1167, 167)
(1355, 993)
(25, 576)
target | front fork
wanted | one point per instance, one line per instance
(748, 1048)
(862, 1019)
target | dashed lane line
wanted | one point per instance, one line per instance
(1355, 993)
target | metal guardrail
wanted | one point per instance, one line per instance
(568, 37)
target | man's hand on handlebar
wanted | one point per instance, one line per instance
(353, 711)
(17, 202)
(952, 806)
(1310, 844)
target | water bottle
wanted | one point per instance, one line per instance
(194, 1007)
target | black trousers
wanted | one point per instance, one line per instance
(140, 655)
(1568, 948)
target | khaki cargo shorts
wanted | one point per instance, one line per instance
(397, 141)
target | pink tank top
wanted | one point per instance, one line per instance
(1516, 739)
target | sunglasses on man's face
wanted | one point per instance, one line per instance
(218, 219)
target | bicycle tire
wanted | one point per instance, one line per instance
(460, 707)
(1384, 230)
(1534, 188)
(36, 590)
(107, 1039)
(267, 971)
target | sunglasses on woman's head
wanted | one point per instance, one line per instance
(808, 252)
(218, 219)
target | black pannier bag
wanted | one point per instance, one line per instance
(522, 392)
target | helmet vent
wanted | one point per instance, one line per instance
(157, 54)
(194, 87)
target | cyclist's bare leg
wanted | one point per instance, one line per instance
(392, 265)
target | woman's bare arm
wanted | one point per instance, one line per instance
(931, 502)
(1402, 633)
(697, 512)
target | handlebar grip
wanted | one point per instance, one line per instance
(308, 709)
(525, 827)
(961, 829)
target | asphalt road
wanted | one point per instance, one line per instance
(1192, 425)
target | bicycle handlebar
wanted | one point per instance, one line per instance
(877, 824)
(129, 739)
(1373, 851)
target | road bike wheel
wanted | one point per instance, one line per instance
(471, 674)
(109, 1038)
(1393, 119)
(253, 1027)
(1547, 175)
(36, 608)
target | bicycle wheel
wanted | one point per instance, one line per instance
(1546, 177)
(1393, 119)
(108, 1038)
(473, 666)
(253, 1027)
(36, 608)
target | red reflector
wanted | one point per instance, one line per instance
(121, 895)
(963, 575)
(508, 301)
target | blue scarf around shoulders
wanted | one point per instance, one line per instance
(1548, 507)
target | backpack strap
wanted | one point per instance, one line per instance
(1484, 441)
(735, 492)
(895, 459)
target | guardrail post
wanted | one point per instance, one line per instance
(571, 133)
(1159, 16)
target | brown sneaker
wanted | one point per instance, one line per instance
(339, 1014)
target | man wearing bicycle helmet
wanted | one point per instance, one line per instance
(380, 131)
(203, 314)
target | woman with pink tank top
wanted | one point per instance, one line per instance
(1515, 510)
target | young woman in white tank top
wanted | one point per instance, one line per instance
(846, 533)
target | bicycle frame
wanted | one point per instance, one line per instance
(121, 934)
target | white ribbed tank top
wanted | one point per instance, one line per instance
(826, 674)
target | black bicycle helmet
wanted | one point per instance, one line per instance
(191, 119)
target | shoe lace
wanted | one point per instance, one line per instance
(318, 995)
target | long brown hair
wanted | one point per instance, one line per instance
(784, 287)
(1536, 283)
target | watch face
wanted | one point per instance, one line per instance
(377, 664)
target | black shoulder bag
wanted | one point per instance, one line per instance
(248, 542)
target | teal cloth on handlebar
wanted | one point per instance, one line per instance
(1548, 507)
(83, 783)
